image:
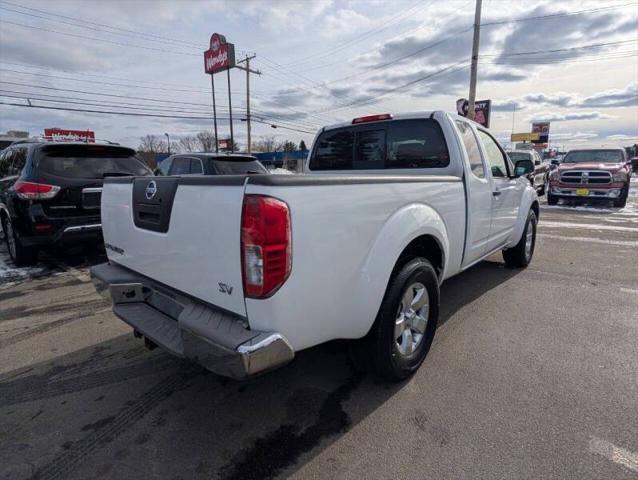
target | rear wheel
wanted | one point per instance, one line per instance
(521, 254)
(406, 322)
(20, 254)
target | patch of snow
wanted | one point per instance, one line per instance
(281, 171)
(11, 274)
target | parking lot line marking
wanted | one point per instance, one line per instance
(615, 454)
(621, 243)
(589, 226)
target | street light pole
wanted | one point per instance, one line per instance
(474, 66)
(168, 142)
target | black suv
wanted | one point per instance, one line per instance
(50, 192)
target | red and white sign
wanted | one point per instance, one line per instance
(60, 134)
(224, 143)
(221, 55)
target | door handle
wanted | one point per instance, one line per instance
(496, 193)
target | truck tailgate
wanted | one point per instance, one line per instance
(181, 231)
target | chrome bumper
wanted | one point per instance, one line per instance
(593, 192)
(217, 340)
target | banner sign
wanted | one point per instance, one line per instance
(224, 143)
(542, 128)
(220, 56)
(60, 134)
(525, 137)
(482, 110)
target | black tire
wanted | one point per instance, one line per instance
(519, 256)
(621, 201)
(21, 255)
(551, 199)
(383, 351)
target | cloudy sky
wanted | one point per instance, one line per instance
(574, 63)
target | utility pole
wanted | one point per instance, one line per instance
(475, 51)
(248, 72)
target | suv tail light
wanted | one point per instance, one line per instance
(35, 191)
(266, 245)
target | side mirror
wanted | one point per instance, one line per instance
(523, 167)
(537, 162)
(555, 161)
(157, 172)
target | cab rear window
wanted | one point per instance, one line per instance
(400, 144)
(79, 161)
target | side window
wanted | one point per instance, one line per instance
(181, 166)
(495, 156)
(416, 144)
(472, 148)
(334, 151)
(165, 166)
(18, 161)
(5, 159)
(196, 167)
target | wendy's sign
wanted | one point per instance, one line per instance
(60, 134)
(220, 56)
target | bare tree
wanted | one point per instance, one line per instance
(266, 143)
(206, 141)
(189, 144)
(152, 144)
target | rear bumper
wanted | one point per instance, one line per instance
(217, 340)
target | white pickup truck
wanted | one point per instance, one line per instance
(240, 272)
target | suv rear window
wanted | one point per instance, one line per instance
(239, 166)
(390, 145)
(80, 161)
(516, 156)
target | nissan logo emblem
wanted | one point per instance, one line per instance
(151, 189)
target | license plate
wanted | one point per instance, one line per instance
(583, 192)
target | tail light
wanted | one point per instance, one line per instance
(266, 245)
(35, 191)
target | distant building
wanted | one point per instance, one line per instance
(11, 136)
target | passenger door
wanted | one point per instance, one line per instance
(506, 191)
(479, 193)
(541, 166)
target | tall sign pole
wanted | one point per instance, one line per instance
(219, 57)
(230, 115)
(475, 51)
(248, 72)
(212, 86)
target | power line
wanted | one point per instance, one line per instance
(557, 50)
(152, 36)
(359, 37)
(133, 114)
(84, 37)
(131, 97)
(555, 15)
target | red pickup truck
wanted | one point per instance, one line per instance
(591, 174)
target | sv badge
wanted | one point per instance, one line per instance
(225, 288)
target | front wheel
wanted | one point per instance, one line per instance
(406, 322)
(521, 254)
(551, 199)
(621, 201)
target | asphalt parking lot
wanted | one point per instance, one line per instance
(533, 374)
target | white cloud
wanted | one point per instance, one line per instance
(555, 117)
